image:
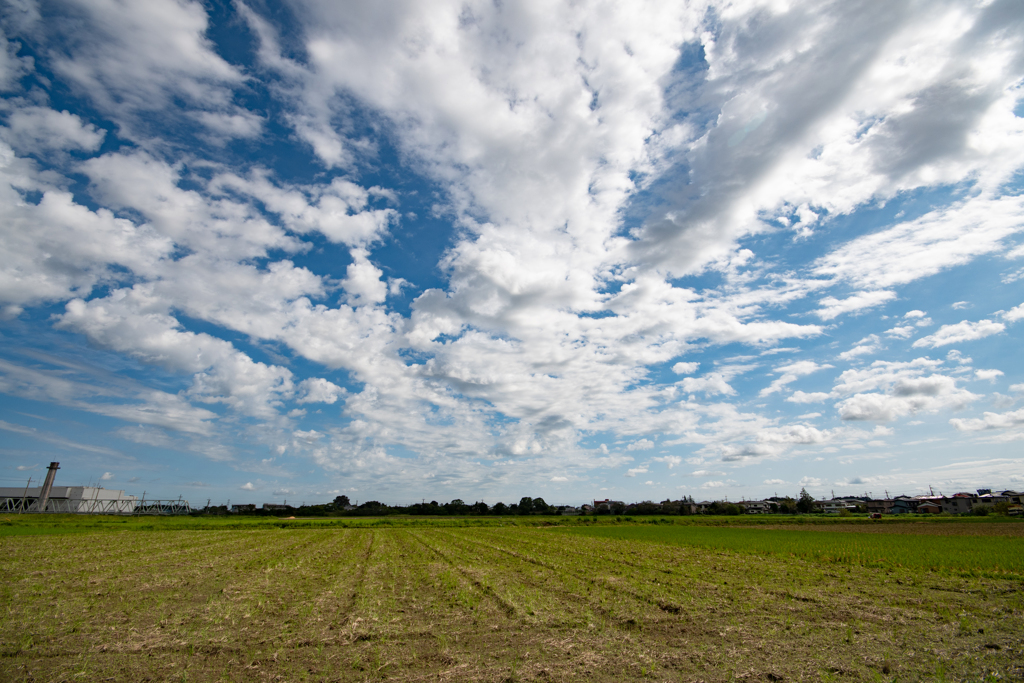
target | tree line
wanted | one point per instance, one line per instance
(343, 507)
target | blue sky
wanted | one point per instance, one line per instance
(285, 251)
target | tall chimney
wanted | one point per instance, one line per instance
(44, 494)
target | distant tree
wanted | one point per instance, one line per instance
(805, 503)
(646, 507)
(341, 501)
(480, 508)
(540, 506)
(500, 508)
(722, 508)
(981, 510)
(787, 506)
(525, 505)
(1001, 508)
(372, 508)
(456, 507)
(618, 508)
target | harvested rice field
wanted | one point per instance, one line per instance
(581, 602)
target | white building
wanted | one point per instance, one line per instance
(71, 499)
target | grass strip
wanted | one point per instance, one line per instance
(969, 555)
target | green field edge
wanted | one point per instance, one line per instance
(31, 524)
(934, 553)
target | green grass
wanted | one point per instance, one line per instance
(972, 555)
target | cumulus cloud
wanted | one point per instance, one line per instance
(41, 129)
(1014, 314)
(832, 307)
(990, 375)
(318, 390)
(865, 347)
(989, 421)
(960, 332)
(577, 165)
(685, 368)
(889, 390)
(900, 332)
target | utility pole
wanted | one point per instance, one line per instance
(25, 496)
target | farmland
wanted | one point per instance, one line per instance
(508, 600)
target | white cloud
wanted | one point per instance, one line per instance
(904, 332)
(1014, 314)
(808, 397)
(774, 482)
(632, 472)
(990, 421)
(990, 375)
(960, 332)
(107, 476)
(41, 129)
(318, 390)
(865, 347)
(791, 373)
(906, 397)
(712, 383)
(137, 61)
(833, 308)
(248, 486)
(930, 244)
(538, 127)
(685, 368)
(559, 479)
(956, 357)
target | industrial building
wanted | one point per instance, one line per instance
(82, 500)
(69, 499)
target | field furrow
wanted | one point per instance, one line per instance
(495, 603)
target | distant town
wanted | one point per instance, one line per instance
(97, 500)
(979, 502)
